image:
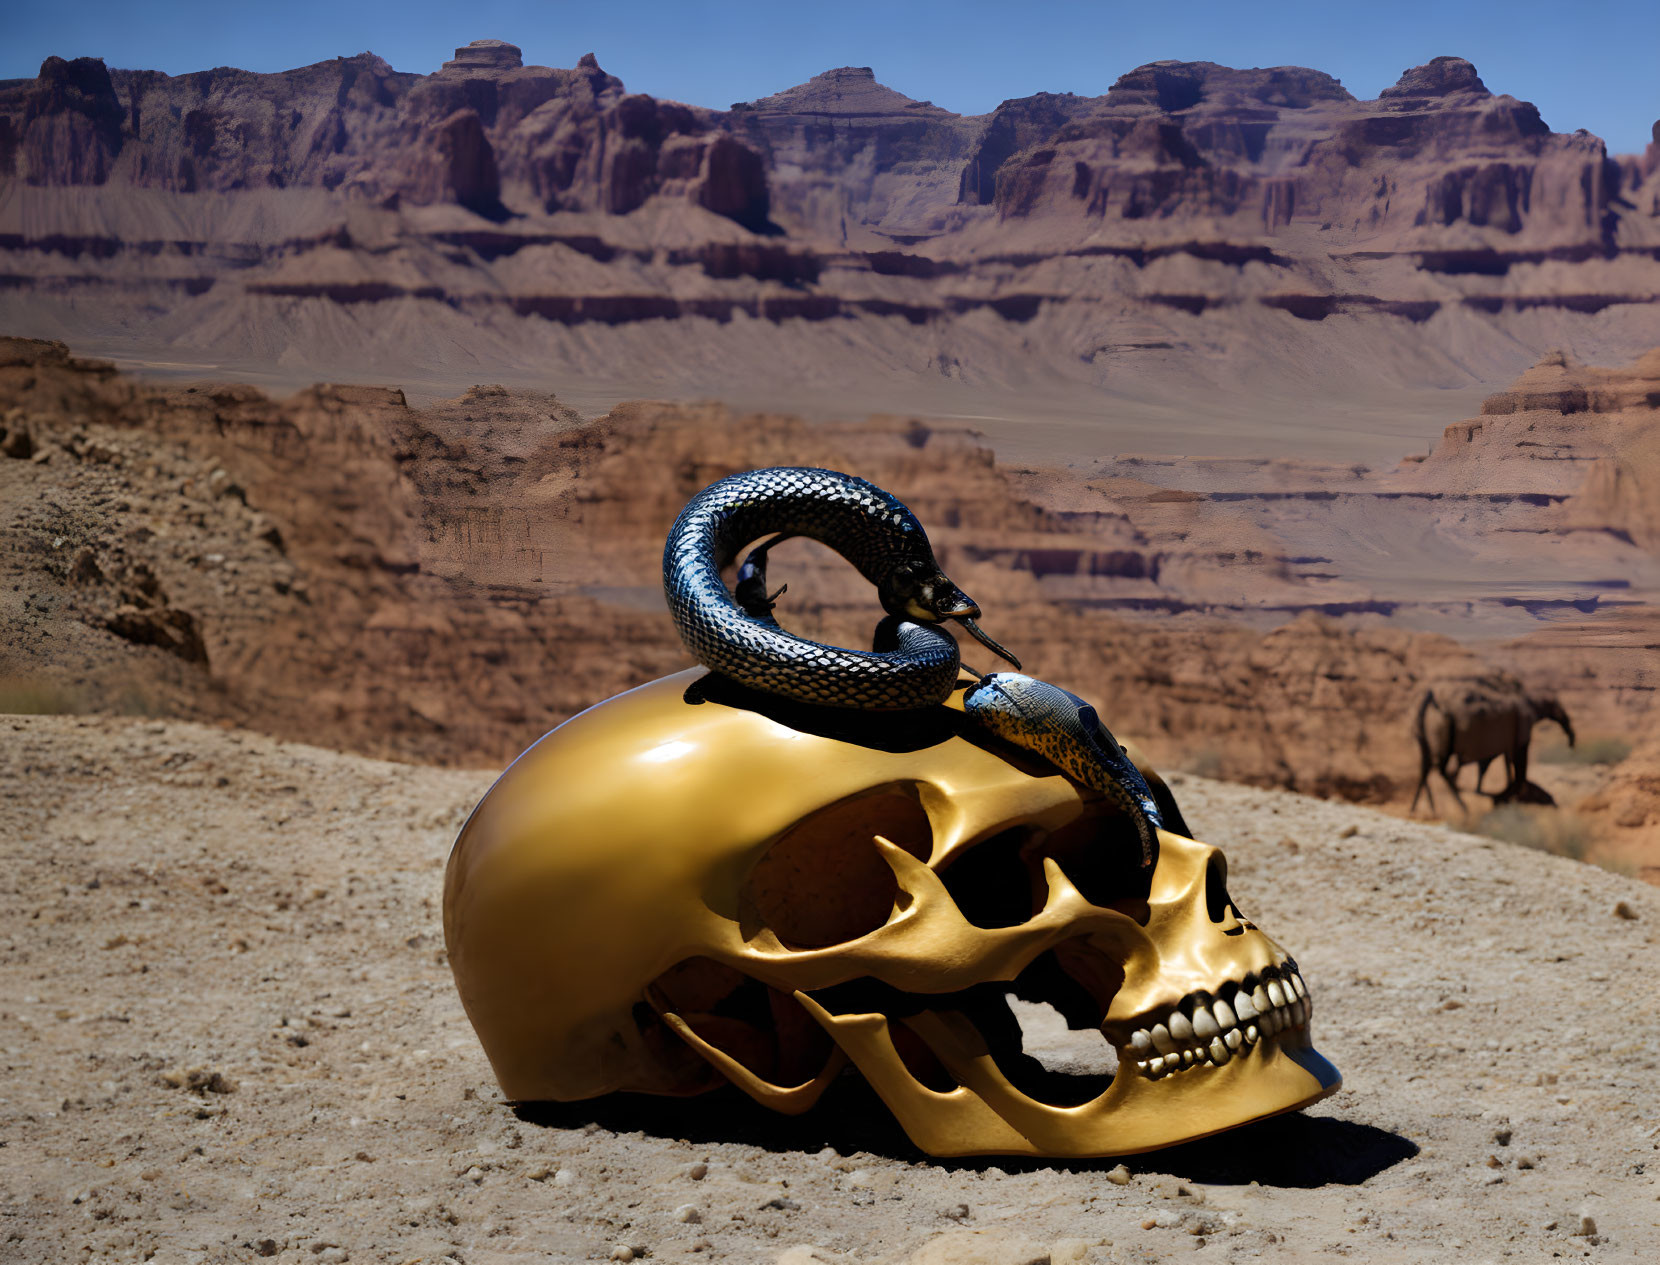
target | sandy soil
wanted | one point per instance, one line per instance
(1145, 408)
(229, 1033)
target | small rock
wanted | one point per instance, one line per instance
(1494, 1161)
(18, 444)
(1524, 1162)
(199, 1080)
(475, 1174)
(962, 1246)
(697, 1172)
(957, 1212)
(540, 1173)
(1623, 910)
(1119, 1176)
(1069, 1252)
(688, 1214)
(622, 1252)
(85, 570)
(1150, 1224)
(266, 1247)
(1502, 1137)
(1587, 1225)
(781, 1204)
(563, 1177)
(1348, 832)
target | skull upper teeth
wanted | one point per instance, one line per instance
(1209, 1029)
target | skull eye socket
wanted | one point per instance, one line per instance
(823, 882)
(999, 881)
(1101, 853)
(991, 883)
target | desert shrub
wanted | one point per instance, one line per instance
(1604, 750)
(28, 696)
(1553, 830)
(1205, 762)
(132, 699)
(34, 696)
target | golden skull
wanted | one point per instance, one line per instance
(691, 883)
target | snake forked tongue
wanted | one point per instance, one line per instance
(975, 632)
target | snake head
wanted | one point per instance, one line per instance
(921, 591)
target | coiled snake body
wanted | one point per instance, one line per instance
(914, 663)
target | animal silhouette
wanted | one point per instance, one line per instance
(1476, 722)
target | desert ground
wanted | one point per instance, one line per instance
(230, 1034)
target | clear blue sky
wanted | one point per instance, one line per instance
(1590, 64)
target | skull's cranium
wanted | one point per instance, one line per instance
(678, 887)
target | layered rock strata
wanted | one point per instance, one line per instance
(1066, 247)
(446, 584)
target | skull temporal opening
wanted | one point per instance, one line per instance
(671, 891)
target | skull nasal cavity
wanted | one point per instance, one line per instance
(824, 882)
(1217, 904)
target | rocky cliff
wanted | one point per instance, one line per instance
(1583, 436)
(1194, 226)
(1266, 149)
(447, 583)
(483, 127)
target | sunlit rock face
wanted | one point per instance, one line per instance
(488, 55)
(483, 128)
(1154, 245)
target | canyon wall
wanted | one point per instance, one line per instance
(446, 584)
(1192, 231)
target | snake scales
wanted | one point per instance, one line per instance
(914, 663)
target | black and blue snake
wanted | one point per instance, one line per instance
(914, 662)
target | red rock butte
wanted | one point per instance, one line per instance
(487, 55)
(1199, 257)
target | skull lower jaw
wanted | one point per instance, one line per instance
(987, 1115)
